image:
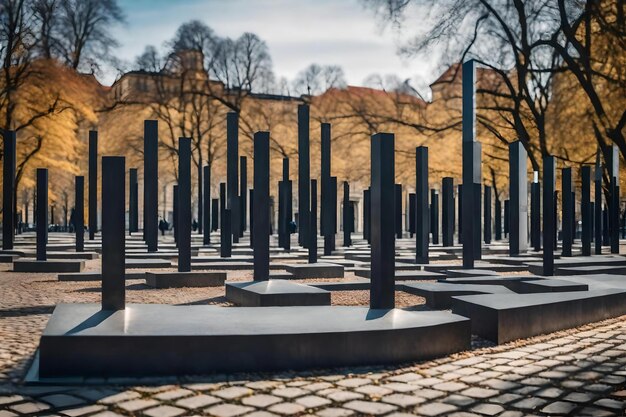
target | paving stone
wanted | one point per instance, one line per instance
(407, 377)
(610, 403)
(459, 400)
(450, 386)
(342, 396)
(107, 414)
(580, 397)
(10, 399)
(335, 412)
(370, 407)
(30, 407)
(263, 384)
(198, 401)
(81, 411)
(286, 408)
(164, 411)
(403, 400)
(138, 404)
(550, 392)
(505, 398)
(173, 395)
(435, 409)
(499, 384)
(317, 386)
(595, 412)
(290, 392)
(260, 400)
(231, 393)
(261, 414)
(120, 397)
(373, 390)
(530, 403)
(559, 408)
(600, 388)
(354, 382)
(429, 393)
(228, 410)
(312, 401)
(487, 409)
(402, 387)
(476, 392)
(7, 413)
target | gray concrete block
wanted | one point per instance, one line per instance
(317, 270)
(34, 266)
(185, 279)
(275, 293)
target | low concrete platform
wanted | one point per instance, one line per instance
(96, 276)
(579, 261)
(147, 263)
(357, 284)
(185, 279)
(463, 273)
(550, 285)
(275, 293)
(439, 296)
(513, 283)
(164, 340)
(590, 270)
(477, 265)
(72, 255)
(505, 317)
(61, 265)
(7, 259)
(316, 270)
(403, 275)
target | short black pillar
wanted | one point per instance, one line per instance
(498, 219)
(487, 214)
(585, 203)
(261, 225)
(313, 228)
(421, 205)
(367, 215)
(412, 214)
(303, 173)
(243, 194)
(459, 192)
(232, 158)
(8, 190)
(113, 222)
(184, 205)
(434, 216)
(382, 280)
(567, 215)
(347, 241)
(549, 178)
(507, 217)
(398, 211)
(215, 212)
(206, 196)
(535, 213)
(447, 211)
(175, 212)
(93, 183)
(225, 225)
(151, 184)
(42, 213)
(79, 212)
(133, 203)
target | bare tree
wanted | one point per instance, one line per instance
(316, 79)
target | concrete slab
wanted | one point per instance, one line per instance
(7, 259)
(185, 279)
(96, 276)
(275, 293)
(151, 339)
(357, 284)
(464, 273)
(72, 255)
(439, 296)
(590, 270)
(550, 285)
(416, 275)
(147, 263)
(505, 317)
(477, 265)
(513, 283)
(317, 270)
(34, 266)
(577, 261)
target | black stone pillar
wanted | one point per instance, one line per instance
(421, 205)
(498, 219)
(175, 214)
(412, 215)
(243, 194)
(8, 190)
(487, 215)
(614, 208)
(232, 156)
(382, 280)
(597, 182)
(303, 174)
(206, 196)
(460, 211)
(347, 241)
(549, 225)
(42, 213)
(518, 194)
(507, 217)
(398, 211)
(447, 211)
(225, 225)
(133, 202)
(567, 215)
(367, 215)
(261, 224)
(150, 184)
(325, 168)
(252, 218)
(434, 216)
(215, 213)
(79, 212)
(313, 228)
(585, 208)
(333, 191)
(113, 221)
(184, 205)
(535, 213)
(93, 183)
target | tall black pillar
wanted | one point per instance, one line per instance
(549, 179)
(412, 214)
(206, 196)
(333, 193)
(313, 228)
(150, 184)
(261, 224)
(79, 212)
(303, 173)
(382, 281)
(113, 221)
(447, 211)
(200, 173)
(133, 203)
(566, 223)
(471, 168)
(175, 214)
(398, 211)
(585, 203)
(232, 156)
(597, 181)
(225, 225)
(8, 190)
(184, 205)
(347, 241)
(434, 216)
(252, 217)
(243, 194)
(518, 194)
(93, 183)
(367, 215)
(535, 213)
(460, 211)
(487, 215)
(507, 218)
(614, 223)
(498, 219)
(42, 213)
(421, 205)
(325, 163)
(215, 212)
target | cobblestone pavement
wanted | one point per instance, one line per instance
(578, 372)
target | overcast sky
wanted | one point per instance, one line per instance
(297, 32)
